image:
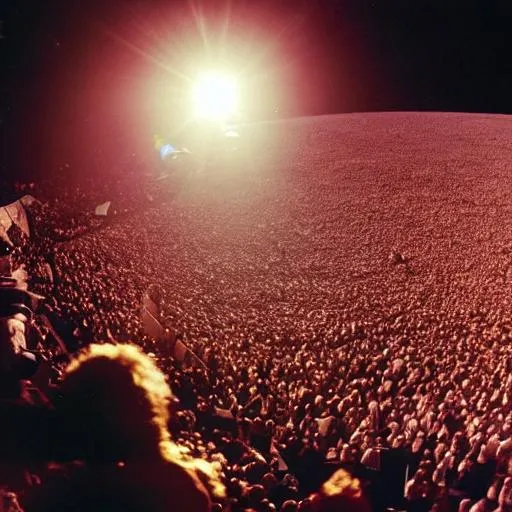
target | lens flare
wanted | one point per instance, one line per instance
(215, 96)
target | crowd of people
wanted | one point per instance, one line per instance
(333, 376)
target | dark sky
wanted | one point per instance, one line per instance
(82, 82)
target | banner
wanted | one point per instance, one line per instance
(10, 214)
(18, 216)
(151, 325)
(165, 334)
(180, 351)
(151, 306)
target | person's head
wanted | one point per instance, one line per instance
(289, 506)
(255, 494)
(340, 492)
(269, 482)
(266, 506)
(114, 404)
(114, 407)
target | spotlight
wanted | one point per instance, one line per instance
(215, 96)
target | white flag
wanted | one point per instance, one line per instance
(152, 326)
(102, 209)
(18, 215)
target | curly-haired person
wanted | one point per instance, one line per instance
(114, 448)
(340, 492)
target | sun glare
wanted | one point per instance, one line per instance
(215, 96)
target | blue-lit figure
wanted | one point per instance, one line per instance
(166, 150)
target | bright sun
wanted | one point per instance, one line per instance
(215, 96)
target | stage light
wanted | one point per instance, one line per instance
(215, 96)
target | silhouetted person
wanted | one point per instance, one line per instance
(112, 430)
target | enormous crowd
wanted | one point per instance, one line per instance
(326, 383)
